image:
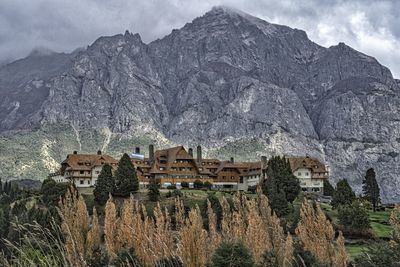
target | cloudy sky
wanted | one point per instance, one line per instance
(372, 27)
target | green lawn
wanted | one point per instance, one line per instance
(355, 250)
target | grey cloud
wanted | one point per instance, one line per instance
(372, 27)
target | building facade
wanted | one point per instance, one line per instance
(175, 165)
(83, 169)
(310, 172)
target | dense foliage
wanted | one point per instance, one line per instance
(354, 219)
(126, 181)
(281, 186)
(232, 254)
(328, 188)
(154, 192)
(343, 195)
(371, 188)
(104, 185)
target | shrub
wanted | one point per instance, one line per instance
(207, 185)
(198, 184)
(185, 185)
(354, 219)
(153, 193)
(232, 254)
(171, 186)
(52, 191)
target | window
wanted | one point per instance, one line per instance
(232, 177)
(299, 173)
(81, 172)
(223, 177)
(81, 181)
(88, 182)
(97, 172)
(306, 174)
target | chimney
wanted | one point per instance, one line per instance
(75, 152)
(191, 152)
(232, 160)
(137, 150)
(198, 153)
(151, 152)
(98, 152)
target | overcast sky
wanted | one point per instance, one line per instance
(372, 27)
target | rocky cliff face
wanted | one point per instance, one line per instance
(224, 79)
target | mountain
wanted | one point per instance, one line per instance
(234, 83)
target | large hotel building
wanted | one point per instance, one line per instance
(175, 165)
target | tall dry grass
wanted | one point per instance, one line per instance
(318, 236)
(152, 238)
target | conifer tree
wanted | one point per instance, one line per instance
(126, 181)
(104, 185)
(371, 188)
(343, 194)
(328, 188)
(281, 186)
(154, 193)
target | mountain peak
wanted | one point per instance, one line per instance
(41, 51)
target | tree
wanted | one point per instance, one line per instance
(328, 188)
(52, 191)
(277, 198)
(343, 195)
(154, 193)
(279, 170)
(126, 181)
(232, 254)
(281, 186)
(104, 185)
(354, 219)
(371, 188)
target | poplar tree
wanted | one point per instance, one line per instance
(371, 188)
(104, 185)
(126, 181)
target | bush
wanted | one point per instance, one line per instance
(207, 185)
(232, 254)
(354, 220)
(185, 185)
(153, 193)
(171, 186)
(98, 258)
(52, 191)
(175, 193)
(198, 184)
